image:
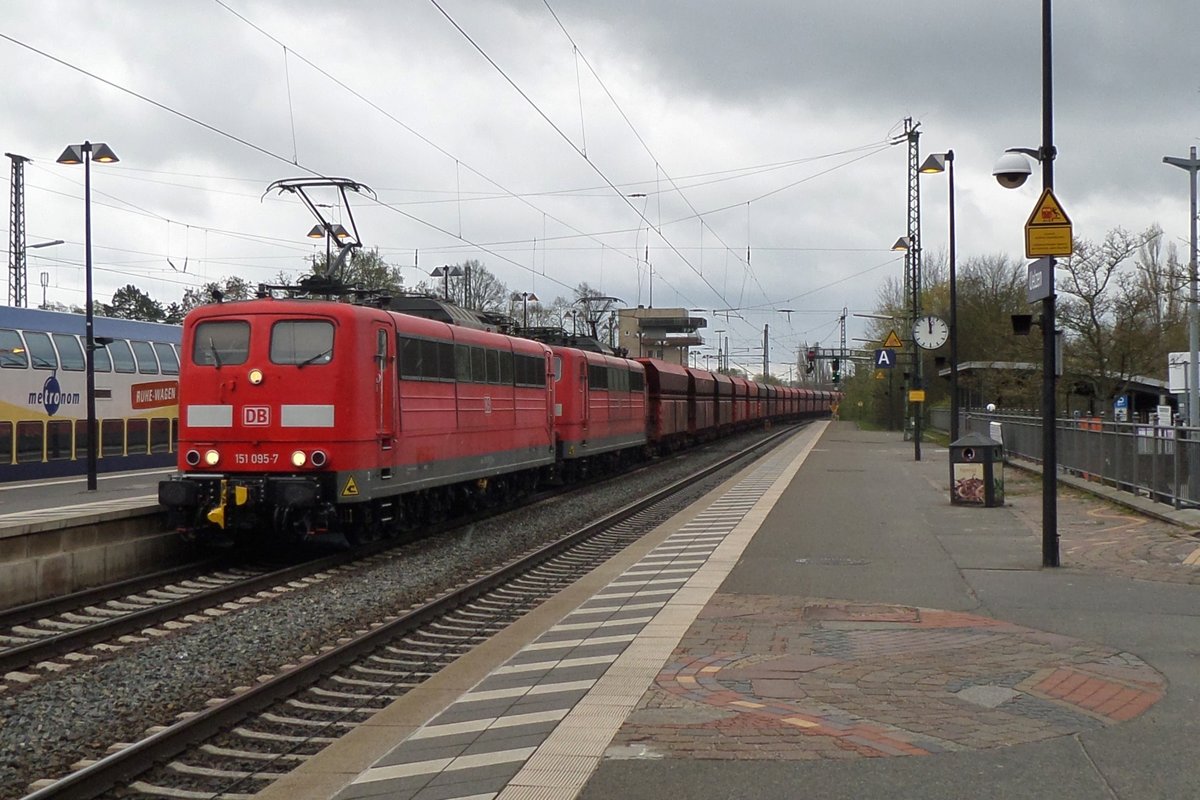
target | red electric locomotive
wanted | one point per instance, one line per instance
(599, 408)
(309, 416)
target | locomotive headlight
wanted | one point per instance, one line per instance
(192, 457)
(211, 457)
(319, 458)
(299, 459)
(255, 376)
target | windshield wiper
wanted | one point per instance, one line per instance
(313, 358)
(212, 348)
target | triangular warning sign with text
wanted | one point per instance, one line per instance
(893, 340)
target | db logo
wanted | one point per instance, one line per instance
(256, 415)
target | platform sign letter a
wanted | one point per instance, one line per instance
(885, 358)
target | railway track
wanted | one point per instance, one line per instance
(238, 744)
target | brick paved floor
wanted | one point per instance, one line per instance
(1098, 535)
(763, 677)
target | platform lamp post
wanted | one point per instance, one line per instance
(446, 271)
(329, 233)
(1011, 171)
(85, 154)
(944, 162)
(525, 297)
(1192, 165)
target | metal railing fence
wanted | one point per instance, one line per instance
(1162, 463)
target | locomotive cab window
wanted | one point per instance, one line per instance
(220, 342)
(302, 342)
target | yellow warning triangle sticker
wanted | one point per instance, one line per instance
(893, 340)
(351, 489)
(1048, 211)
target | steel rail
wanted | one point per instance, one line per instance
(124, 765)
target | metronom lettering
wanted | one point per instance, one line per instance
(54, 398)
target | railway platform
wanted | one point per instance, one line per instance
(825, 624)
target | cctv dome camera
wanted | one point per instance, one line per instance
(1011, 170)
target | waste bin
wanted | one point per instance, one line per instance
(976, 471)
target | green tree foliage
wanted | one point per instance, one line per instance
(130, 302)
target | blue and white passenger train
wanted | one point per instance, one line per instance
(43, 394)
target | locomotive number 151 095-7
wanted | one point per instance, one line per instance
(255, 458)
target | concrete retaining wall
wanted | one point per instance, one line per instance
(56, 557)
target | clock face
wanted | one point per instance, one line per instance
(930, 332)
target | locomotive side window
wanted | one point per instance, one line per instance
(302, 342)
(462, 363)
(146, 362)
(637, 382)
(445, 361)
(506, 367)
(122, 356)
(218, 343)
(70, 353)
(167, 357)
(493, 366)
(530, 371)
(411, 364)
(12, 353)
(41, 352)
(478, 365)
(597, 376)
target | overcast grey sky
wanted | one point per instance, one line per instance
(514, 131)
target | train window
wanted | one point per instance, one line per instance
(160, 435)
(167, 357)
(70, 352)
(410, 358)
(12, 352)
(445, 361)
(530, 371)
(175, 433)
(147, 364)
(112, 437)
(81, 439)
(58, 439)
(597, 376)
(478, 365)
(431, 368)
(506, 367)
(122, 356)
(221, 342)
(637, 382)
(618, 379)
(493, 366)
(41, 352)
(302, 342)
(102, 359)
(6, 442)
(462, 363)
(29, 441)
(557, 368)
(137, 436)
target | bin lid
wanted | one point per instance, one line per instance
(975, 440)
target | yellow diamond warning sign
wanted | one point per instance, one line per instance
(1048, 229)
(351, 489)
